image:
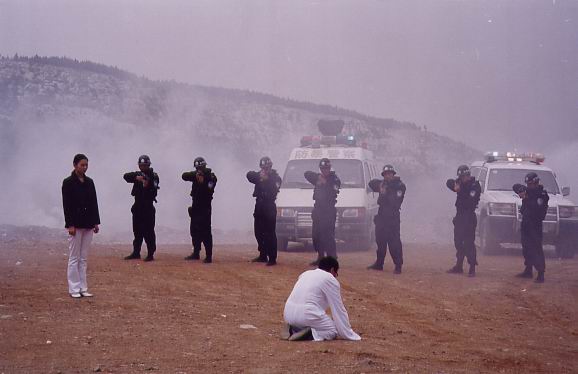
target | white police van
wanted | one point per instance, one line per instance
(499, 217)
(356, 203)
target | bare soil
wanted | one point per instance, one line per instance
(173, 316)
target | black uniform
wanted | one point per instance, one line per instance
(387, 220)
(265, 213)
(324, 213)
(143, 210)
(465, 221)
(200, 211)
(534, 210)
(79, 202)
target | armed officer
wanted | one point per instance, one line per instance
(267, 183)
(203, 188)
(534, 209)
(468, 192)
(324, 214)
(145, 185)
(387, 221)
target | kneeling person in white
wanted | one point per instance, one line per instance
(315, 292)
(81, 220)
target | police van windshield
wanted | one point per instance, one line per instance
(504, 179)
(350, 172)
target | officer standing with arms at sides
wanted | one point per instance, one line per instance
(145, 184)
(204, 182)
(534, 209)
(387, 221)
(468, 192)
(267, 183)
(324, 214)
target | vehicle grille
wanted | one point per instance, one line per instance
(304, 219)
(551, 215)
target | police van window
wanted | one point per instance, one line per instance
(504, 179)
(482, 178)
(350, 172)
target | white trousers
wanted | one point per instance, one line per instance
(300, 316)
(78, 252)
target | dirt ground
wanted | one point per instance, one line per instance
(172, 316)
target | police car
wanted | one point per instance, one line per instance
(499, 217)
(356, 203)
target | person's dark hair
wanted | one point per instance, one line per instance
(327, 263)
(79, 157)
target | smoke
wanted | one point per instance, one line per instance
(40, 157)
(562, 159)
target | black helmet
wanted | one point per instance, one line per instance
(265, 162)
(199, 163)
(532, 177)
(144, 159)
(324, 163)
(388, 168)
(464, 170)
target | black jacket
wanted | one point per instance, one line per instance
(391, 195)
(143, 195)
(202, 193)
(79, 203)
(266, 190)
(535, 205)
(325, 195)
(468, 196)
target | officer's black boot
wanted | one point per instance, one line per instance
(196, 255)
(375, 266)
(458, 268)
(260, 258)
(540, 277)
(149, 257)
(193, 256)
(472, 272)
(378, 264)
(397, 269)
(527, 273)
(133, 256)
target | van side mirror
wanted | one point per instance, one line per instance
(565, 191)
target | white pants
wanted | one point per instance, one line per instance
(300, 316)
(78, 249)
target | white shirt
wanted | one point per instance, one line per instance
(315, 292)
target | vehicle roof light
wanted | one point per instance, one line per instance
(536, 158)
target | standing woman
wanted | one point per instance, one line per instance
(81, 220)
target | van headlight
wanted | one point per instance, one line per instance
(353, 212)
(502, 209)
(286, 212)
(568, 212)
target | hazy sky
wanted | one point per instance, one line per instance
(495, 74)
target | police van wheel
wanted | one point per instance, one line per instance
(282, 244)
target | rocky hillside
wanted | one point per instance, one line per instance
(247, 123)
